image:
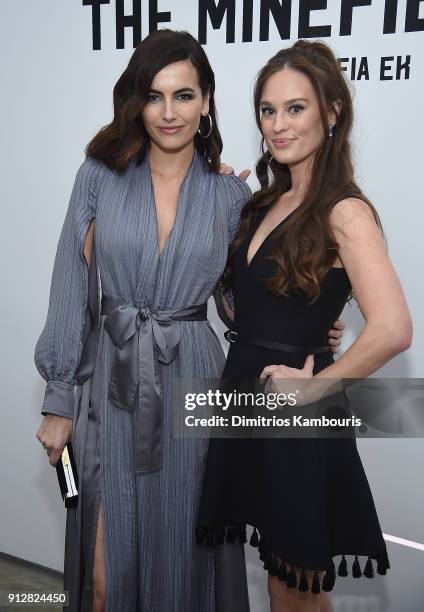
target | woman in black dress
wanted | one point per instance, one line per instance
(307, 239)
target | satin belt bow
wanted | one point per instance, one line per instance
(141, 338)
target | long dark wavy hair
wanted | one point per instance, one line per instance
(305, 246)
(116, 143)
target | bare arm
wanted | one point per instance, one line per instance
(388, 326)
(88, 244)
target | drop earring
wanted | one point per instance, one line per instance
(269, 160)
(330, 133)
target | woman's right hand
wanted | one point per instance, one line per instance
(54, 432)
(227, 169)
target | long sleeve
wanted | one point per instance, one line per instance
(238, 193)
(59, 347)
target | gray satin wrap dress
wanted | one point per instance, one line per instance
(115, 314)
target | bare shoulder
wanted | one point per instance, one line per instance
(352, 215)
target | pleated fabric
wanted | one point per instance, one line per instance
(153, 563)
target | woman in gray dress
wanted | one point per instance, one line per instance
(164, 217)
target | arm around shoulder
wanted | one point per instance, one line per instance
(238, 193)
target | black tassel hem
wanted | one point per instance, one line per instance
(273, 564)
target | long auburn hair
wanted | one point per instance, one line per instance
(116, 143)
(305, 246)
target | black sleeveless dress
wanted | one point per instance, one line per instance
(308, 499)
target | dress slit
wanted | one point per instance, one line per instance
(90, 507)
(88, 447)
(90, 565)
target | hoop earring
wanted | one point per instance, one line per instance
(330, 133)
(210, 128)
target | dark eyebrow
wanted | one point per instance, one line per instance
(291, 101)
(183, 89)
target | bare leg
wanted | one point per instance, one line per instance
(284, 599)
(99, 573)
(325, 603)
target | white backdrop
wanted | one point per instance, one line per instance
(56, 94)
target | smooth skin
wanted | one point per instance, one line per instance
(175, 101)
(289, 110)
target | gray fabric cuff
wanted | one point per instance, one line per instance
(59, 399)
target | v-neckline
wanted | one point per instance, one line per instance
(177, 210)
(255, 229)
